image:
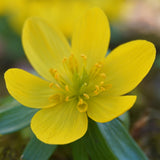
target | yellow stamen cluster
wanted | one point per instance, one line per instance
(79, 85)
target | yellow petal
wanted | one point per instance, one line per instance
(60, 124)
(91, 36)
(127, 65)
(28, 89)
(44, 46)
(104, 109)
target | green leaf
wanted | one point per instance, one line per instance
(14, 116)
(94, 145)
(37, 150)
(78, 151)
(107, 141)
(125, 120)
(120, 142)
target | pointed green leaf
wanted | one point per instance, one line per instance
(125, 120)
(94, 145)
(120, 142)
(14, 116)
(78, 151)
(105, 141)
(37, 150)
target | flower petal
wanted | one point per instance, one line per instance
(44, 46)
(127, 65)
(104, 109)
(28, 89)
(60, 124)
(91, 36)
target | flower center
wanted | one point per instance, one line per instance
(78, 83)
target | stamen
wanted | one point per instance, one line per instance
(73, 65)
(64, 60)
(102, 89)
(96, 92)
(56, 76)
(80, 101)
(82, 106)
(67, 99)
(57, 98)
(84, 59)
(57, 85)
(52, 71)
(83, 87)
(98, 65)
(84, 56)
(86, 96)
(51, 85)
(97, 87)
(95, 70)
(103, 75)
(102, 82)
(67, 88)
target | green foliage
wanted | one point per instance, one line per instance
(93, 144)
(37, 150)
(11, 41)
(14, 116)
(106, 141)
(120, 142)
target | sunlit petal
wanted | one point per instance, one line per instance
(127, 65)
(59, 125)
(28, 89)
(104, 108)
(44, 46)
(91, 36)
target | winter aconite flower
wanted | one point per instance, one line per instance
(79, 81)
(61, 13)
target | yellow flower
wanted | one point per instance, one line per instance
(2, 7)
(63, 14)
(79, 82)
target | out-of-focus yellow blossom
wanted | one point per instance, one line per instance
(112, 8)
(2, 7)
(17, 11)
(62, 13)
(78, 82)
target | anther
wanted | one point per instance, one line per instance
(57, 85)
(84, 56)
(102, 89)
(56, 76)
(98, 65)
(96, 92)
(66, 88)
(102, 82)
(64, 59)
(97, 87)
(80, 101)
(52, 71)
(73, 65)
(51, 85)
(86, 96)
(67, 99)
(103, 75)
(83, 87)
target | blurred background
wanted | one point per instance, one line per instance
(129, 20)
